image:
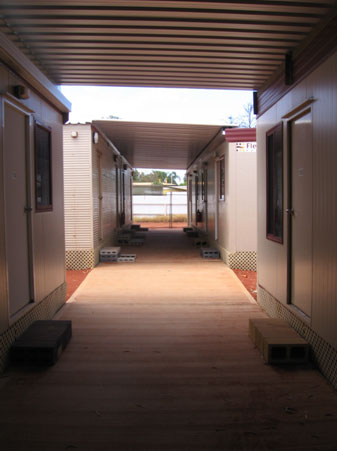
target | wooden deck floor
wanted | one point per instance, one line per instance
(160, 359)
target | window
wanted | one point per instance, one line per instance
(275, 184)
(196, 182)
(203, 184)
(43, 169)
(221, 178)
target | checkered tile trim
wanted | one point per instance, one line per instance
(243, 260)
(79, 259)
(43, 311)
(323, 353)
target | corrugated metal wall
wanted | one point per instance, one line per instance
(78, 187)
(92, 194)
(272, 264)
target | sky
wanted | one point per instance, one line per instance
(200, 106)
(197, 106)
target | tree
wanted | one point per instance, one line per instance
(155, 177)
(248, 119)
(245, 119)
(112, 117)
(172, 177)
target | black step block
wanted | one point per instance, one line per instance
(42, 343)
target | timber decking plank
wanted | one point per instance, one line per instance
(160, 359)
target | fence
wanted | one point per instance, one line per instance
(168, 208)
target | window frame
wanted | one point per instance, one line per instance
(196, 184)
(43, 208)
(271, 186)
(221, 178)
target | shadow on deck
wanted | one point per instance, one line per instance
(160, 359)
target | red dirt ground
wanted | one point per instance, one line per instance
(162, 225)
(74, 278)
(248, 279)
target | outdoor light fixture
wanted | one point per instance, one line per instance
(255, 103)
(74, 134)
(289, 69)
(95, 137)
(21, 92)
(223, 132)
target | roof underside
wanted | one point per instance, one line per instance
(235, 44)
(159, 145)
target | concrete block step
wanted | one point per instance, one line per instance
(209, 253)
(278, 342)
(42, 343)
(109, 254)
(123, 241)
(126, 258)
(139, 235)
(192, 234)
(135, 227)
(198, 242)
(136, 242)
(188, 229)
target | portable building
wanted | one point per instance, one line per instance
(97, 194)
(297, 220)
(291, 64)
(222, 196)
(32, 277)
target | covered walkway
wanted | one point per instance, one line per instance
(160, 359)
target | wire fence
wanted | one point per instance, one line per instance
(169, 208)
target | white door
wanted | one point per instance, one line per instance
(301, 218)
(16, 155)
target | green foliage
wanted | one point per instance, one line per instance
(156, 177)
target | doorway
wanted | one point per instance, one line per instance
(301, 213)
(17, 207)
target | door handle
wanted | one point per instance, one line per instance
(290, 211)
(27, 209)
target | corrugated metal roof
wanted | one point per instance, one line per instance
(158, 145)
(217, 44)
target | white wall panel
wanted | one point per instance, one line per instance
(78, 187)
(246, 202)
(108, 191)
(128, 196)
(323, 82)
(211, 197)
